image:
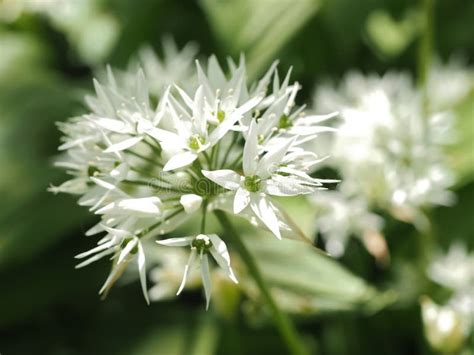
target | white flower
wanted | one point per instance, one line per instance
(340, 217)
(123, 246)
(445, 328)
(388, 149)
(167, 275)
(191, 116)
(449, 83)
(201, 246)
(175, 67)
(454, 270)
(261, 177)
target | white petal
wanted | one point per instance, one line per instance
(284, 186)
(251, 150)
(142, 271)
(145, 206)
(206, 279)
(187, 268)
(198, 108)
(161, 135)
(266, 214)
(115, 231)
(314, 119)
(225, 178)
(117, 270)
(104, 184)
(96, 249)
(221, 255)
(125, 144)
(187, 100)
(241, 200)
(273, 158)
(190, 202)
(111, 124)
(94, 258)
(215, 73)
(176, 242)
(128, 248)
(94, 229)
(229, 122)
(180, 160)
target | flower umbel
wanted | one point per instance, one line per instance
(146, 168)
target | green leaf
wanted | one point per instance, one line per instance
(257, 28)
(305, 280)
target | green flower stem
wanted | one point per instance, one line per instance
(425, 49)
(282, 322)
(425, 55)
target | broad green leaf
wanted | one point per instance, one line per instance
(307, 281)
(257, 28)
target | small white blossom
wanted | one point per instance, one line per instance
(123, 246)
(454, 270)
(201, 246)
(262, 176)
(339, 218)
(449, 83)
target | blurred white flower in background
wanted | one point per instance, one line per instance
(174, 67)
(445, 328)
(449, 83)
(454, 270)
(389, 150)
(339, 217)
(448, 326)
(167, 275)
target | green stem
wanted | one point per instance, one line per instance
(204, 213)
(229, 148)
(282, 322)
(425, 49)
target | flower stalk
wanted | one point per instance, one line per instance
(282, 322)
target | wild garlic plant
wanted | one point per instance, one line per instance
(147, 163)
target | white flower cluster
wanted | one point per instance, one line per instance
(449, 325)
(145, 163)
(388, 150)
(455, 271)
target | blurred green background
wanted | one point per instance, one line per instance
(48, 57)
